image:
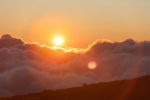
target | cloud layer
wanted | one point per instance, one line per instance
(27, 68)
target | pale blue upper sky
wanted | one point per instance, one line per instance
(93, 19)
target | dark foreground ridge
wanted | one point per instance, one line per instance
(135, 89)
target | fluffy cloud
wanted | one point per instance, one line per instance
(27, 68)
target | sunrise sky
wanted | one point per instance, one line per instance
(79, 22)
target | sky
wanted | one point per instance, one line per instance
(80, 22)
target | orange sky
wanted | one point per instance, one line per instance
(80, 22)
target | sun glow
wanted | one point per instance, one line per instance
(58, 41)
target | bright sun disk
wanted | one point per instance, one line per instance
(58, 40)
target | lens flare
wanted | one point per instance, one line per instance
(92, 65)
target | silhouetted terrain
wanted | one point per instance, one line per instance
(135, 89)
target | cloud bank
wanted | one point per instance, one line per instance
(27, 68)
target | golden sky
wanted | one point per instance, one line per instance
(80, 22)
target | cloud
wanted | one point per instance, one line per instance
(8, 41)
(27, 68)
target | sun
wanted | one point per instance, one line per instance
(58, 40)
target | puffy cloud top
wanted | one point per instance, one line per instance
(8, 41)
(26, 68)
